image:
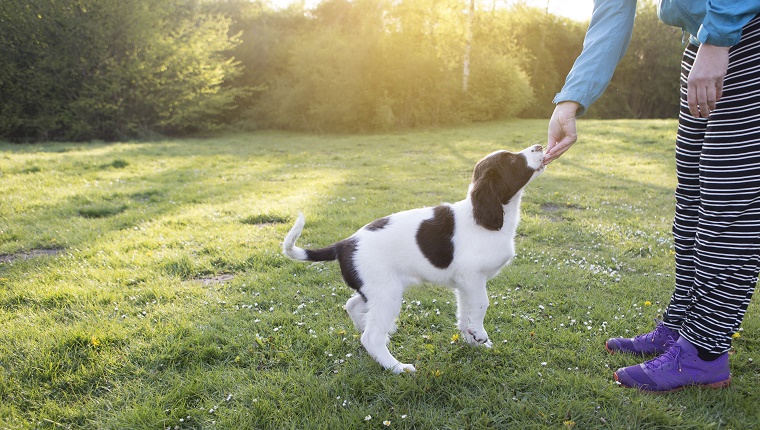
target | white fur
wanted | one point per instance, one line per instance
(388, 260)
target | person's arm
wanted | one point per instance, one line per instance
(606, 41)
(724, 20)
(720, 29)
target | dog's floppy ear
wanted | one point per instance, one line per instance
(495, 180)
(486, 207)
(486, 194)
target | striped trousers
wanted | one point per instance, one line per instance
(717, 223)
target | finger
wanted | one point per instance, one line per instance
(710, 106)
(552, 142)
(554, 137)
(554, 155)
(696, 98)
(713, 92)
(704, 109)
(569, 137)
(559, 149)
(549, 157)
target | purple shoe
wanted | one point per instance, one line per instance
(678, 368)
(654, 342)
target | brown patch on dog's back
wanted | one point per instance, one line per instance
(378, 224)
(434, 237)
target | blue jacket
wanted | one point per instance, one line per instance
(716, 22)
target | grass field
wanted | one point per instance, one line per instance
(142, 286)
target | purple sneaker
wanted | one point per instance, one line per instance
(678, 368)
(655, 342)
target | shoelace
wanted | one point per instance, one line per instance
(649, 337)
(672, 355)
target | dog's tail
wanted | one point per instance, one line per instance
(290, 249)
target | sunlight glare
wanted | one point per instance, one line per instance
(579, 10)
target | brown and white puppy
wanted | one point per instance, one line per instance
(460, 245)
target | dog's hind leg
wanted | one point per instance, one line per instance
(382, 310)
(357, 310)
(472, 303)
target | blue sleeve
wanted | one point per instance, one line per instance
(724, 20)
(606, 41)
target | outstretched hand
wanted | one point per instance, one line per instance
(562, 133)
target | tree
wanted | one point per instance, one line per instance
(468, 46)
(382, 64)
(113, 69)
(545, 46)
(109, 69)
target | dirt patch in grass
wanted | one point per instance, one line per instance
(550, 207)
(216, 279)
(553, 211)
(26, 255)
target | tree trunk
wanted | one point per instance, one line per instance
(468, 48)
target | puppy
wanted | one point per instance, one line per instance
(460, 245)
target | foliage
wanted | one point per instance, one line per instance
(548, 46)
(172, 307)
(109, 69)
(112, 69)
(369, 65)
(377, 64)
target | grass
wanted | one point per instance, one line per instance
(142, 286)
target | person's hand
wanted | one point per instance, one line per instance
(562, 132)
(705, 82)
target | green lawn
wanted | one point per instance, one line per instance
(142, 286)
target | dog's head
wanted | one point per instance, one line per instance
(497, 178)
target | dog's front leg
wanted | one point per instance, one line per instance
(472, 303)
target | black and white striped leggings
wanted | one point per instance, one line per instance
(717, 223)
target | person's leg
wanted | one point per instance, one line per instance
(723, 260)
(691, 133)
(689, 138)
(727, 242)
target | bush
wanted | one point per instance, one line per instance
(360, 67)
(110, 69)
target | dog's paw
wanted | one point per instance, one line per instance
(474, 338)
(403, 368)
